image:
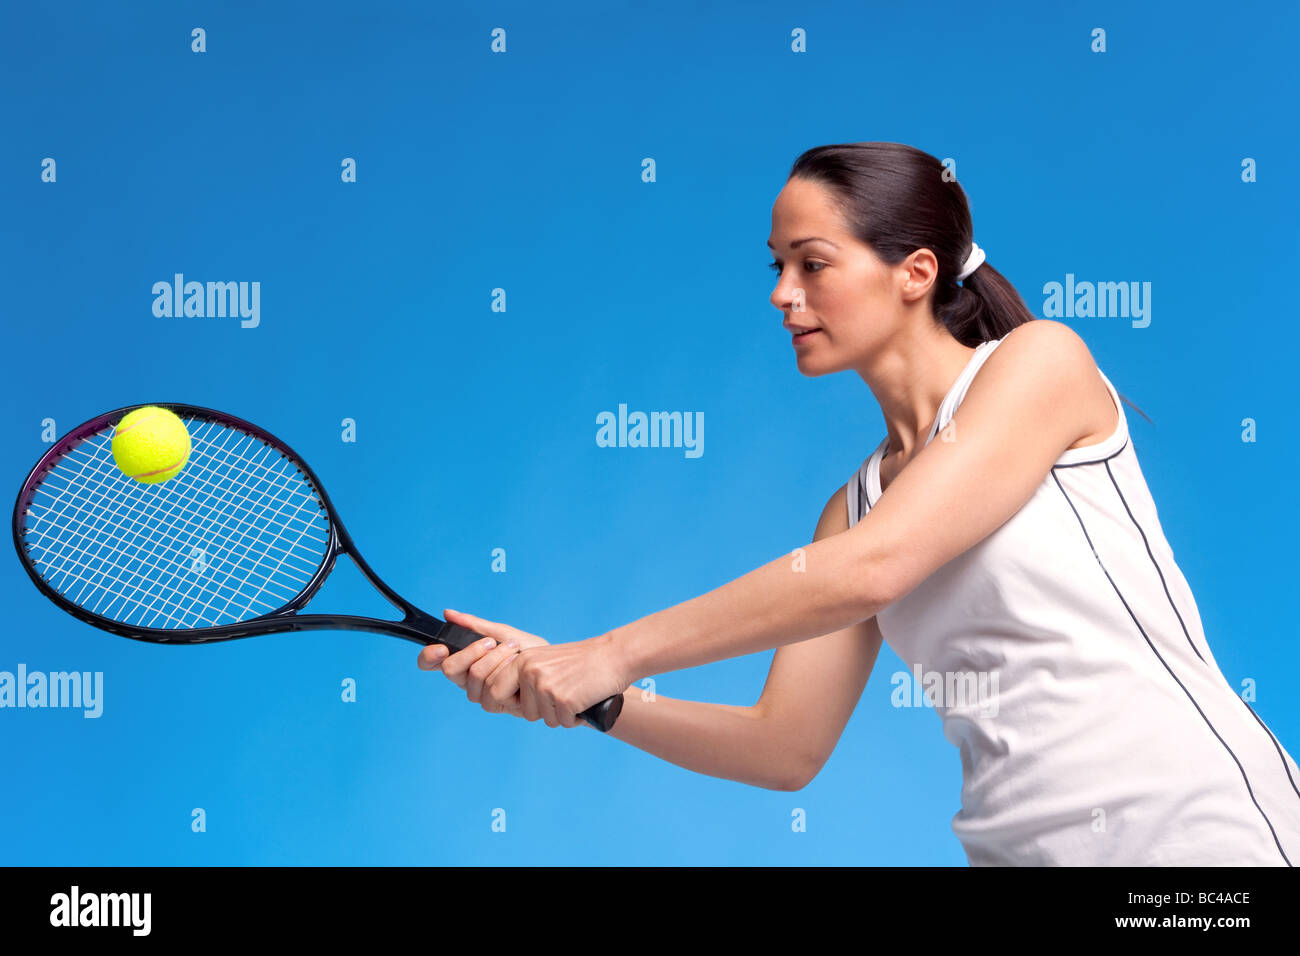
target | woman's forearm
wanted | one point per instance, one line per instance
(735, 743)
(826, 587)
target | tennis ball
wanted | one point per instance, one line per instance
(151, 444)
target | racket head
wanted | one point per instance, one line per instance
(243, 536)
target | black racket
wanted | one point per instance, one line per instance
(233, 546)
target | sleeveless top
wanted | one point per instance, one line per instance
(1105, 733)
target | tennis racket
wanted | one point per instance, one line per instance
(233, 546)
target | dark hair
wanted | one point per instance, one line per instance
(897, 199)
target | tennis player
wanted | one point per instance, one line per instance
(1001, 529)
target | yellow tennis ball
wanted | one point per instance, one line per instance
(151, 444)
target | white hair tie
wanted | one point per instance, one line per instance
(973, 261)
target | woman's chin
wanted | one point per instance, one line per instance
(814, 365)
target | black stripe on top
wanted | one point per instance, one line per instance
(1083, 527)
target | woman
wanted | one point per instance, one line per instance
(1021, 551)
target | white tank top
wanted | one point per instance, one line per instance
(1112, 737)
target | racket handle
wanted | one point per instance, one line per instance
(601, 716)
(455, 637)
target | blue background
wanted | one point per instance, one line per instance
(476, 428)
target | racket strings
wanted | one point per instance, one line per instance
(98, 486)
(132, 527)
(128, 525)
(126, 528)
(271, 549)
(238, 533)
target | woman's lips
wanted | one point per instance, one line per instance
(802, 338)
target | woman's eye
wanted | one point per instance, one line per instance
(776, 266)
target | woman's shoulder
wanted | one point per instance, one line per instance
(835, 515)
(1031, 348)
(1048, 341)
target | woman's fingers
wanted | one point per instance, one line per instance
(548, 713)
(502, 686)
(528, 703)
(487, 672)
(431, 657)
(456, 666)
(482, 669)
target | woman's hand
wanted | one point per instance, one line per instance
(559, 681)
(548, 682)
(470, 668)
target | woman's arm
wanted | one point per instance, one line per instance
(784, 739)
(1021, 412)
(779, 743)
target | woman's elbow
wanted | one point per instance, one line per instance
(800, 776)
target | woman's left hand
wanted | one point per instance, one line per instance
(557, 682)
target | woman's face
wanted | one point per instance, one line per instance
(850, 298)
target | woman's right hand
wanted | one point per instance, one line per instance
(470, 668)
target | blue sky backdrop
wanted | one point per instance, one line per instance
(476, 428)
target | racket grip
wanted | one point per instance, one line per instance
(456, 638)
(601, 716)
